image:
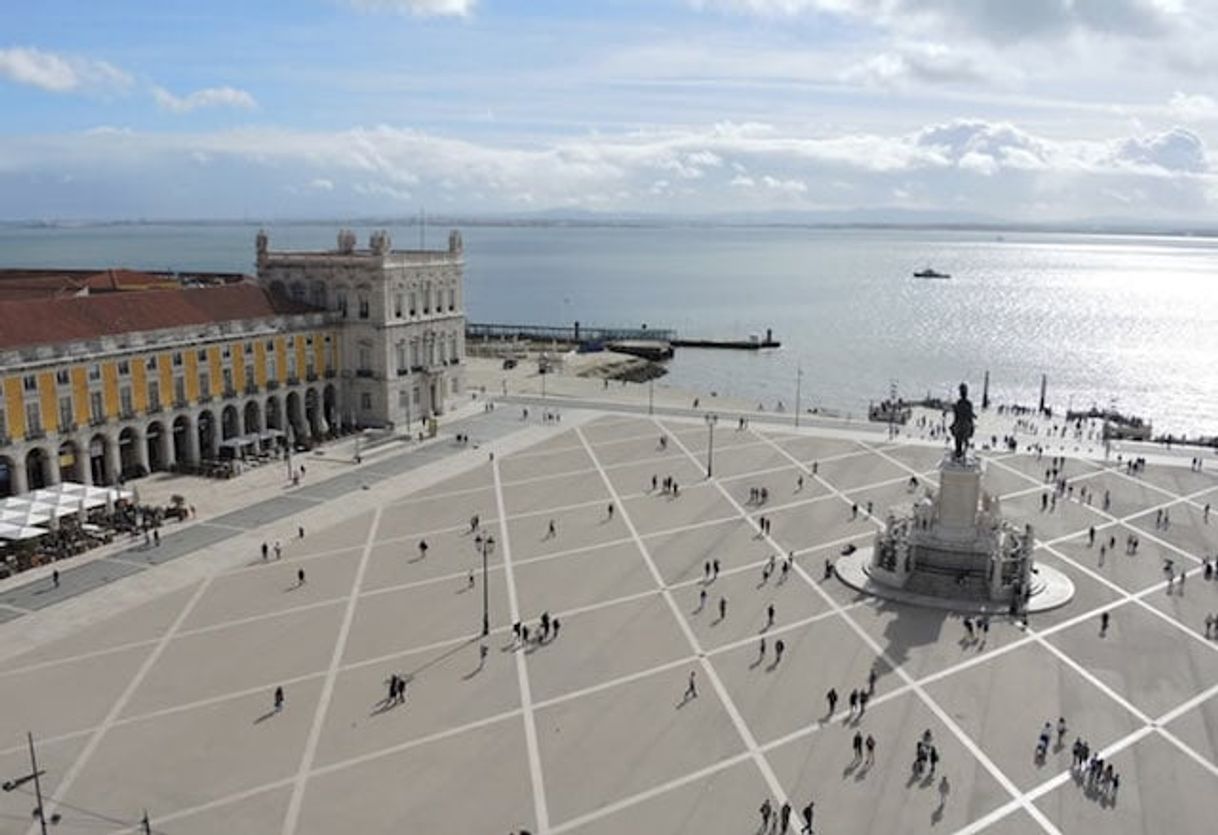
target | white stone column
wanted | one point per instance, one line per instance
(50, 471)
(141, 449)
(168, 459)
(20, 483)
(114, 463)
(84, 467)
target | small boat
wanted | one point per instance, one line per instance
(929, 273)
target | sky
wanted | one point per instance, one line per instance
(1023, 110)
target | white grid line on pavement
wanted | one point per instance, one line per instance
(292, 817)
(541, 809)
(742, 728)
(98, 733)
(942, 715)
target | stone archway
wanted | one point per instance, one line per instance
(295, 414)
(99, 459)
(312, 413)
(274, 414)
(230, 423)
(329, 400)
(131, 453)
(253, 417)
(8, 477)
(182, 437)
(206, 433)
(154, 446)
(37, 468)
(72, 465)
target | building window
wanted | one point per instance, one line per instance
(397, 305)
(126, 402)
(414, 306)
(63, 377)
(415, 395)
(292, 364)
(249, 349)
(452, 299)
(3, 424)
(365, 358)
(177, 361)
(228, 380)
(152, 364)
(65, 412)
(402, 364)
(94, 372)
(250, 379)
(414, 353)
(97, 407)
(204, 384)
(124, 368)
(363, 306)
(202, 354)
(340, 299)
(227, 352)
(179, 390)
(427, 298)
(365, 401)
(33, 419)
(154, 395)
(272, 367)
(30, 382)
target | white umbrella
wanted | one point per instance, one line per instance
(20, 532)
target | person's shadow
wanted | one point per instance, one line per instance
(264, 717)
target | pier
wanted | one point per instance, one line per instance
(655, 343)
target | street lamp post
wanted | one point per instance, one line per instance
(711, 420)
(16, 783)
(651, 389)
(486, 546)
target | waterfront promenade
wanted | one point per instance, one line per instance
(158, 693)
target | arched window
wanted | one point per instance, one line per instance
(414, 302)
(453, 349)
(427, 298)
(398, 301)
(452, 298)
(318, 294)
(340, 301)
(363, 305)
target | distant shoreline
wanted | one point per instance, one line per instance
(1115, 229)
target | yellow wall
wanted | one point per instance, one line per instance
(80, 394)
(302, 367)
(192, 375)
(110, 388)
(239, 367)
(139, 384)
(281, 357)
(164, 368)
(319, 352)
(49, 401)
(260, 363)
(217, 377)
(15, 407)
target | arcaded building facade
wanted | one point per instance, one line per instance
(400, 314)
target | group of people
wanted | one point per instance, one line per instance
(667, 487)
(547, 629)
(780, 821)
(1091, 770)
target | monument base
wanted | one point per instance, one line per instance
(1050, 589)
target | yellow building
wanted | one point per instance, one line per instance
(124, 376)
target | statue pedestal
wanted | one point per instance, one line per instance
(959, 496)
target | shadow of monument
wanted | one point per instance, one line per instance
(909, 628)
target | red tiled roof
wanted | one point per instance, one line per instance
(16, 284)
(45, 321)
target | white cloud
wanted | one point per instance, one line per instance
(420, 8)
(996, 20)
(1196, 107)
(927, 63)
(993, 167)
(57, 73)
(209, 97)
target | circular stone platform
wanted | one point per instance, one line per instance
(1050, 588)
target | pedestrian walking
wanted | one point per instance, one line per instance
(156, 537)
(722, 608)
(278, 699)
(854, 701)
(784, 817)
(278, 550)
(1103, 624)
(857, 744)
(300, 577)
(870, 743)
(769, 615)
(551, 532)
(831, 698)
(766, 810)
(691, 688)
(715, 569)
(422, 548)
(1061, 731)
(611, 510)
(265, 550)
(779, 647)
(871, 677)
(300, 531)
(807, 816)
(55, 582)
(701, 599)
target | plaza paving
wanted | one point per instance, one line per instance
(167, 705)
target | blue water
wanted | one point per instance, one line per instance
(1125, 320)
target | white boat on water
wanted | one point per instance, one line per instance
(930, 273)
